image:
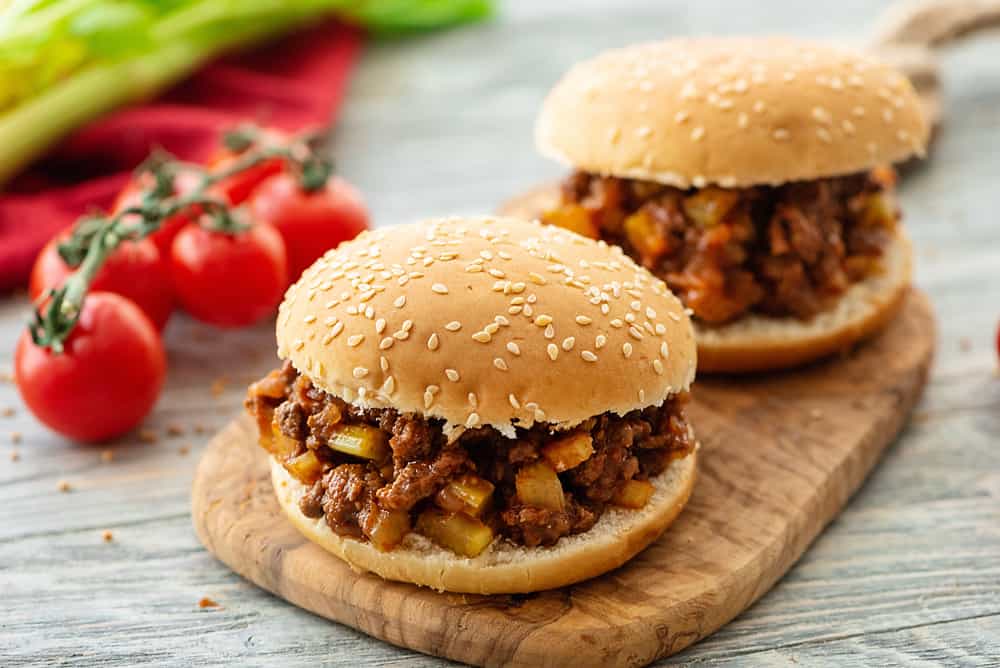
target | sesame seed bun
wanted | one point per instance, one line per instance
(503, 567)
(761, 343)
(731, 111)
(487, 322)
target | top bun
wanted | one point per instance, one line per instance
(735, 112)
(487, 321)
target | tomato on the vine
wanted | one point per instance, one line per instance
(310, 222)
(185, 182)
(135, 270)
(106, 379)
(229, 279)
(238, 187)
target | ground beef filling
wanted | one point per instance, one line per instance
(788, 250)
(377, 474)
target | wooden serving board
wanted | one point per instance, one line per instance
(781, 455)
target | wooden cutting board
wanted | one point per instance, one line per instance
(781, 455)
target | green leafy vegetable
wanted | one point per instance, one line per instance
(65, 62)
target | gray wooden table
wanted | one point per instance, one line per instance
(909, 573)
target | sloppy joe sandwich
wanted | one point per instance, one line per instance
(480, 405)
(750, 174)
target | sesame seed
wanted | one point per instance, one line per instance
(614, 134)
(664, 350)
(759, 106)
(501, 320)
(472, 421)
(903, 135)
(658, 367)
(553, 351)
(543, 320)
(298, 344)
(482, 337)
(549, 332)
(499, 363)
(697, 133)
(681, 116)
(453, 326)
(492, 328)
(821, 115)
(643, 131)
(858, 111)
(428, 399)
(360, 372)
(627, 349)
(497, 273)
(583, 320)
(568, 343)
(400, 301)
(537, 278)
(513, 348)
(386, 343)
(440, 288)
(588, 356)
(514, 310)
(887, 115)
(824, 135)
(742, 120)
(354, 340)
(642, 396)
(660, 329)
(514, 403)
(433, 342)
(452, 375)
(616, 323)
(599, 341)
(380, 325)
(309, 319)
(474, 268)
(389, 386)
(780, 134)
(401, 335)
(635, 333)
(473, 399)
(383, 364)
(847, 126)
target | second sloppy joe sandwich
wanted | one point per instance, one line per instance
(480, 405)
(752, 175)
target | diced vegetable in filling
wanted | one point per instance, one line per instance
(377, 474)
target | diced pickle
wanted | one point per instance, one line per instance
(538, 485)
(387, 528)
(572, 217)
(306, 468)
(708, 206)
(879, 210)
(279, 445)
(642, 233)
(469, 494)
(569, 451)
(454, 531)
(633, 494)
(360, 440)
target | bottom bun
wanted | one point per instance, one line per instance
(505, 568)
(761, 343)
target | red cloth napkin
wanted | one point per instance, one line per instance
(293, 83)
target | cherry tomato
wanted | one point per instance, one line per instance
(229, 280)
(238, 187)
(107, 378)
(184, 183)
(310, 222)
(135, 270)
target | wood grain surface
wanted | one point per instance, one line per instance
(907, 574)
(780, 457)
